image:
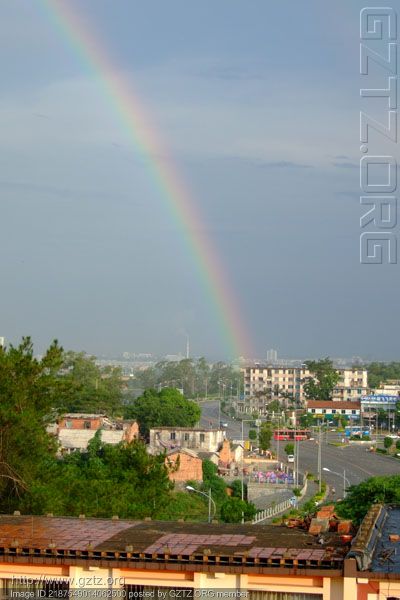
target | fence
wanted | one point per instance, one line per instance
(276, 509)
(272, 511)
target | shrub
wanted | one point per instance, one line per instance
(388, 442)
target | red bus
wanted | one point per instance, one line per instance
(291, 434)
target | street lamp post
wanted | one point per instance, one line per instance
(345, 480)
(242, 477)
(319, 460)
(210, 501)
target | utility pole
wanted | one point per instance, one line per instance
(319, 459)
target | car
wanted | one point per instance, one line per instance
(290, 458)
(223, 424)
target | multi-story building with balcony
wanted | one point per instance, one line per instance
(264, 383)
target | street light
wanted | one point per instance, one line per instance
(210, 501)
(242, 477)
(345, 480)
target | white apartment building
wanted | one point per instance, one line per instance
(390, 388)
(274, 382)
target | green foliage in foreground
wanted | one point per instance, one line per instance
(233, 509)
(382, 489)
(108, 480)
(230, 509)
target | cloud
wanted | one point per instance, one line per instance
(268, 164)
(346, 165)
(228, 73)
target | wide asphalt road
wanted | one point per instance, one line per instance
(355, 461)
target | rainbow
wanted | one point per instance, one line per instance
(129, 111)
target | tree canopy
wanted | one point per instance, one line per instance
(30, 394)
(323, 379)
(265, 436)
(91, 388)
(107, 480)
(165, 408)
(359, 498)
(195, 377)
(380, 372)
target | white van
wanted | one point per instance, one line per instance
(290, 458)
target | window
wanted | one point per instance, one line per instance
(186, 437)
(202, 438)
(68, 424)
(343, 411)
(324, 411)
(87, 425)
(172, 435)
(313, 410)
(334, 411)
(353, 412)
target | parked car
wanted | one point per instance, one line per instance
(290, 458)
(223, 424)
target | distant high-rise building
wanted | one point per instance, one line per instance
(2, 341)
(272, 356)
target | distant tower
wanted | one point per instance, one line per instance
(2, 341)
(272, 356)
(187, 346)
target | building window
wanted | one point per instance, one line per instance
(86, 425)
(343, 411)
(313, 410)
(202, 437)
(172, 435)
(186, 437)
(68, 424)
(324, 411)
(334, 411)
(353, 412)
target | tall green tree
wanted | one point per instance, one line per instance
(265, 436)
(323, 380)
(165, 408)
(91, 388)
(30, 395)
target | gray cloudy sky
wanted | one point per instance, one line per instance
(258, 103)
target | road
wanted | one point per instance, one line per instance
(210, 418)
(357, 463)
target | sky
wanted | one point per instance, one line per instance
(258, 106)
